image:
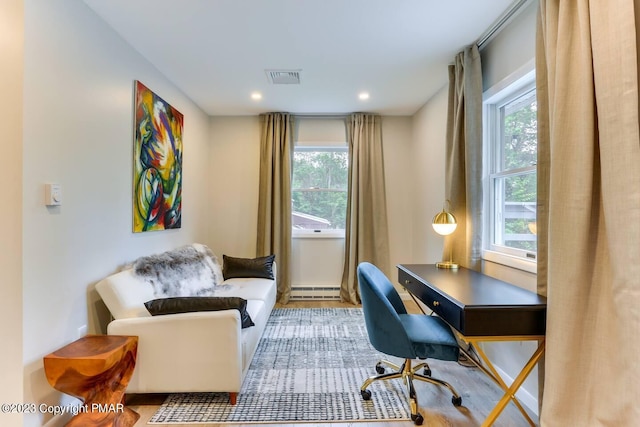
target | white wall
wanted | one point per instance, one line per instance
(317, 261)
(510, 51)
(428, 165)
(234, 167)
(11, 64)
(234, 172)
(78, 127)
(399, 181)
(511, 48)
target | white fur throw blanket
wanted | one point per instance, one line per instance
(191, 270)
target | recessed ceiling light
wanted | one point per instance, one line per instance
(256, 96)
(363, 95)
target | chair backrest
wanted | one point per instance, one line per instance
(382, 305)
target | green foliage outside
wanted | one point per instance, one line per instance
(520, 150)
(319, 185)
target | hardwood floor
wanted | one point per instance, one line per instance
(479, 397)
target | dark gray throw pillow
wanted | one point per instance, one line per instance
(176, 305)
(261, 267)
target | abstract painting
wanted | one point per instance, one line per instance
(157, 163)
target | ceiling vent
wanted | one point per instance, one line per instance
(283, 77)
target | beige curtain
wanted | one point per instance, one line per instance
(367, 237)
(463, 183)
(274, 200)
(589, 211)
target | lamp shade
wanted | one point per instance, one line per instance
(444, 223)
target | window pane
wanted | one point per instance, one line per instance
(515, 204)
(519, 132)
(510, 142)
(319, 189)
(317, 210)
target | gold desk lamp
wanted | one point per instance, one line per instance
(444, 223)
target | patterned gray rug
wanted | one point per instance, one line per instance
(309, 366)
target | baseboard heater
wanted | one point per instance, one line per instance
(315, 293)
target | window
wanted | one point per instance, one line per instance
(319, 188)
(510, 184)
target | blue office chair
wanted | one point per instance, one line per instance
(410, 336)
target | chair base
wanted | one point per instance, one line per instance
(408, 374)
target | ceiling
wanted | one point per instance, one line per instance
(217, 51)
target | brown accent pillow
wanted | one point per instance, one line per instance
(174, 305)
(261, 267)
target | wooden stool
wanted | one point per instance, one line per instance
(96, 369)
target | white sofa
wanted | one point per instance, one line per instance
(204, 351)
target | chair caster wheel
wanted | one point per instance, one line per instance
(379, 368)
(426, 372)
(417, 419)
(366, 394)
(457, 401)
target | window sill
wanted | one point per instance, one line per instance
(320, 234)
(510, 261)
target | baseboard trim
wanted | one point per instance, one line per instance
(526, 398)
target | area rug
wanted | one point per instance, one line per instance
(309, 366)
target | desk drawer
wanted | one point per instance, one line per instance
(440, 305)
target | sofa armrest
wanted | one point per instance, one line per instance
(207, 344)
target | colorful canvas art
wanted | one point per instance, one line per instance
(157, 163)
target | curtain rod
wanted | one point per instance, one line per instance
(320, 116)
(495, 28)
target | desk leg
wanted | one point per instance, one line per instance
(510, 392)
(493, 374)
(498, 379)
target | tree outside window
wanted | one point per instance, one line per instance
(319, 187)
(519, 156)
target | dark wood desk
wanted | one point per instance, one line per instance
(476, 304)
(481, 309)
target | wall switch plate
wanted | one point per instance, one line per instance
(52, 194)
(82, 331)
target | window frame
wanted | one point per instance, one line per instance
(329, 233)
(507, 90)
